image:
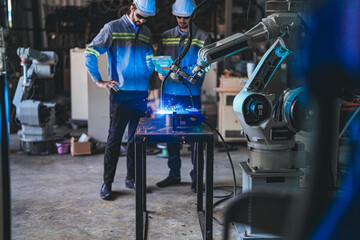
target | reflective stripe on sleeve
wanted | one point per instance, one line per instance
(92, 51)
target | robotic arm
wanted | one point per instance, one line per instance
(41, 64)
(274, 26)
(35, 64)
(37, 117)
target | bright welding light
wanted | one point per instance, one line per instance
(163, 112)
(170, 109)
(177, 110)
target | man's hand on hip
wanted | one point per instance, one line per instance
(108, 85)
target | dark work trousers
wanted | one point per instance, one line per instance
(174, 161)
(122, 112)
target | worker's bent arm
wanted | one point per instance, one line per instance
(99, 45)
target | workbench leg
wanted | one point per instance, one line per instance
(209, 190)
(138, 191)
(200, 175)
(144, 176)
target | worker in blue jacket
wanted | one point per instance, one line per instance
(127, 43)
(176, 94)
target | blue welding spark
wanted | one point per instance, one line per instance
(170, 109)
(164, 112)
(178, 109)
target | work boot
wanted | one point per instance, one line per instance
(105, 192)
(130, 182)
(193, 187)
(169, 181)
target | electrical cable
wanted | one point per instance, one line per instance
(191, 96)
(278, 107)
(162, 90)
(232, 193)
(223, 199)
(227, 151)
(33, 92)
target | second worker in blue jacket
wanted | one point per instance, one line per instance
(176, 94)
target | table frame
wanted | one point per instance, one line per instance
(199, 139)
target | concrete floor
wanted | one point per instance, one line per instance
(57, 197)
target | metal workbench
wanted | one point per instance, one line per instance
(155, 130)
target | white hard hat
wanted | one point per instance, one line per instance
(183, 8)
(146, 7)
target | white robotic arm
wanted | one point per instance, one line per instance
(36, 117)
(42, 64)
(35, 64)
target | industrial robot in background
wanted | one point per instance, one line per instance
(268, 122)
(37, 118)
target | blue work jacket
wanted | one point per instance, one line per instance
(129, 54)
(172, 43)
